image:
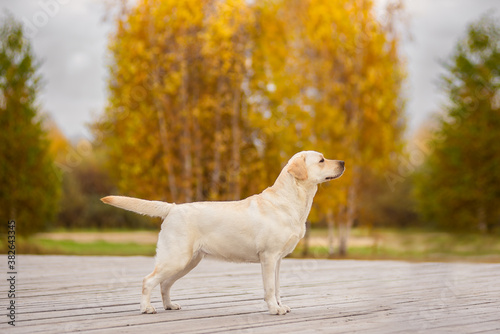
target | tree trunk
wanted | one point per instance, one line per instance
(161, 103)
(235, 188)
(167, 162)
(331, 232)
(198, 146)
(343, 232)
(186, 133)
(305, 250)
(345, 226)
(214, 185)
(343, 237)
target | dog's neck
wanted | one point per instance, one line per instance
(297, 195)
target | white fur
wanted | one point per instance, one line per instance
(261, 228)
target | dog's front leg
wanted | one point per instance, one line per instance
(269, 265)
(277, 292)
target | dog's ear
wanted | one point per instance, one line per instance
(298, 168)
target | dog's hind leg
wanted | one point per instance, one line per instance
(163, 271)
(167, 283)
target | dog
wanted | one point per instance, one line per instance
(262, 228)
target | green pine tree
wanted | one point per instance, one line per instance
(30, 185)
(459, 186)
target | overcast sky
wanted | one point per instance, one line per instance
(70, 36)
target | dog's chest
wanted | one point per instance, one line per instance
(297, 234)
(291, 244)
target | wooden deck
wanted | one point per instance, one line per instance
(63, 294)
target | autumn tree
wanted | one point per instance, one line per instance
(30, 182)
(209, 99)
(458, 188)
(372, 74)
(175, 121)
(327, 76)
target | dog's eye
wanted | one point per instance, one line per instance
(322, 160)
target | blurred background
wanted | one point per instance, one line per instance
(192, 100)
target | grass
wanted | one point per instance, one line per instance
(412, 245)
(368, 253)
(70, 247)
(408, 245)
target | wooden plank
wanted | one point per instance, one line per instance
(60, 294)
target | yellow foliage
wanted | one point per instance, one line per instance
(209, 99)
(59, 145)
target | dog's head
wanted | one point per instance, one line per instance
(312, 167)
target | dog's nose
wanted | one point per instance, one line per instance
(342, 163)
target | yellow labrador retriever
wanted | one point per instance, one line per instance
(261, 228)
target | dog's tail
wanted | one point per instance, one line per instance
(150, 208)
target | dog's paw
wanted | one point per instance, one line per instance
(278, 310)
(148, 309)
(286, 308)
(172, 306)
